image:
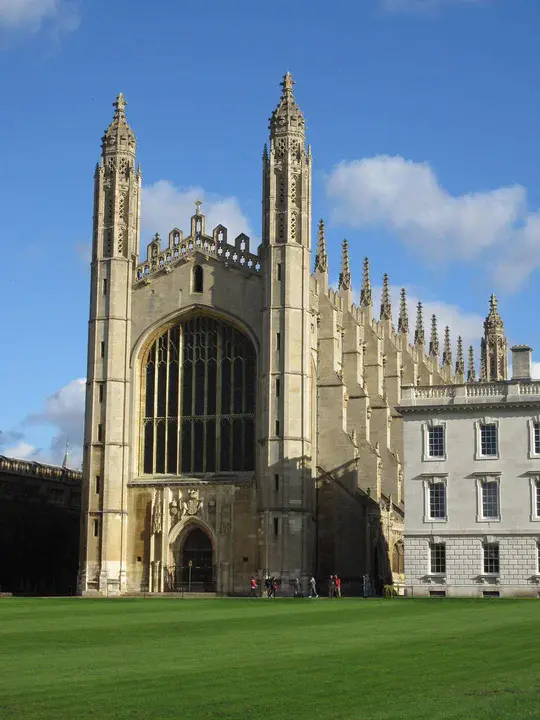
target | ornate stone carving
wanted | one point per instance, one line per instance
(157, 512)
(193, 504)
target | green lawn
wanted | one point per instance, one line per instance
(167, 658)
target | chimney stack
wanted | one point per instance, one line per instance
(521, 362)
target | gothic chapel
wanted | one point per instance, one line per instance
(240, 413)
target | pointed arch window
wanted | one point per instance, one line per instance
(198, 400)
(198, 279)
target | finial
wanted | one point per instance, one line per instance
(198, 204)
(120, 104)
(419, 334)
(460, 363)
(447, 348)
(471, 369)
(386, 305)
(434, 338)
(403, 322)
(265, 152)
(321, 258)
(365, 294)
(345, 273)
(287, 85)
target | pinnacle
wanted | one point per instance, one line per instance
(287, 117)
(471, 371)
(419, 333)
(434, 338)
(365, 294)
(386, 305)
(120, 104)
(345, 273)
(447, 348)
(321, 258)
(403, 322)
(287, 85)
(460, 363)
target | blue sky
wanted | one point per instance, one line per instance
(423, 116)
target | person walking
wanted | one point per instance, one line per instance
(331, 586)
(338, 586)
(274, 587)
(313, 588)
(297, 588)
(253, 591)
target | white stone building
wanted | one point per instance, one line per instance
(472, 485)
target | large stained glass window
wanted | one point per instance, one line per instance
(199, 400)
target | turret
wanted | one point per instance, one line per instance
(366, 296)
(471, 369)
(434, 338)
(403, 321)
(419, 333)
(321, 258)
(344, 285)
(494, 346)
(287, 455)
(386, 304)
(460, 362)
(117, 185)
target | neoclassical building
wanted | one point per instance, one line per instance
(240, 413)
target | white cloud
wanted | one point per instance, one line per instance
(63, 413)
(424, 5)
(535, 370)
(164, 206)
(407, 198)
(32, 13)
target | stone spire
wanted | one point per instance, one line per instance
(386, 305)
(119, 137)
(471, 369)
(495, 346)
(460, 362)
(447, 348)
(403, 321)
(365, 294)
(345, 272)
(287, 118)
(419, 333)
(321, 258)
(434, 338)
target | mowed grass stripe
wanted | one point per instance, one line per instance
(239, 659)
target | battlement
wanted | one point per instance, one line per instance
(181, 249)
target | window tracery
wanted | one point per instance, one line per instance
(199, 400)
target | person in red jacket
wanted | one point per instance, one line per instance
(338, 586)
(253, 591)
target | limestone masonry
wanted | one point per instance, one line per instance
(240, 413)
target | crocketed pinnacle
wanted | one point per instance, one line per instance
(287, 118)
(403, 321)
(265, 153)
(493, 323)
(119, 136)
(345, 272)
(419, 333)
(386, 305)
(460, 363)
(471, 369)
(447, 348)
(365, 294)
(321, 258)
(434, 338)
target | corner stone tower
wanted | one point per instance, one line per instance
(287, 387)
(494, 346)
(117, 186)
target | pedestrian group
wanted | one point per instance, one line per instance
(271, 587)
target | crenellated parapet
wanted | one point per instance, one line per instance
(180, 249)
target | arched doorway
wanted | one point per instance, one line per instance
(196, 560)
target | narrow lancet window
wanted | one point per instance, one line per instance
(198, 279)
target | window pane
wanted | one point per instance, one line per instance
(537, 438)
(491, 558)
(436, 441)
(488, 435)
(438, 558)
(490, 499)
(437, 500)
(216, 379)
(538, 498)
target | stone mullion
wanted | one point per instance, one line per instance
(205, 397)
(179, 391)
(219, 360)
(142, 413)
(192, 411)
(166, 448)
(154, 419)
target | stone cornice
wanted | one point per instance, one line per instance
(26, 468)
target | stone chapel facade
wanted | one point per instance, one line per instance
(240, 413)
